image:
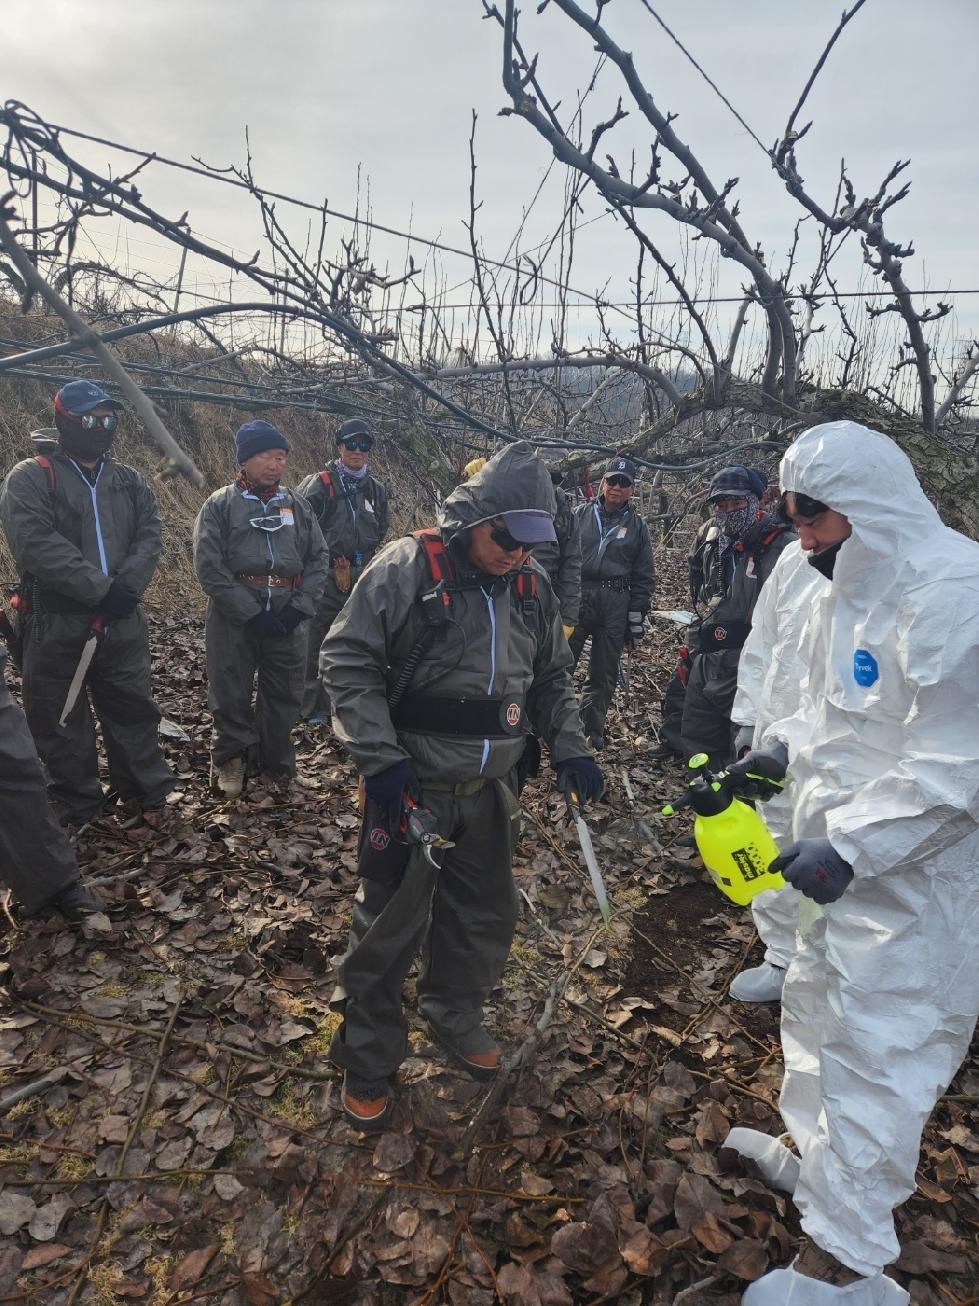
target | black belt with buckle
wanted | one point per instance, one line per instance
(480, 718)
(618, 583)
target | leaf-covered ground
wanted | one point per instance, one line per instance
(183, 1140)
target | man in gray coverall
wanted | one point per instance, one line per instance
(750, 542)
(261, 560)
(447, 655)
(617, 581)
(36, 860)
(351, 507)
(85, 533)
(562, 559)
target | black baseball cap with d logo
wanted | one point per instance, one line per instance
(621, 467)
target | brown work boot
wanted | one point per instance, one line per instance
(480, 1058)
(365, 1102)
(814, 1263)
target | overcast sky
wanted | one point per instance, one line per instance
(327, 87)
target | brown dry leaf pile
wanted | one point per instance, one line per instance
(184, 1142)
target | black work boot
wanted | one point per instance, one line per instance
(74, 902)
(662, 753)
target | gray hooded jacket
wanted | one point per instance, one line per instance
(495, 643)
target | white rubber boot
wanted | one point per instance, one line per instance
(779, 1166)
(787, 1288)
(760, 984)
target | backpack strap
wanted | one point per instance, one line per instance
(436, 554)
(45, 462)
(442, 573)
(762, 548)
(331, 489)
(526, 587)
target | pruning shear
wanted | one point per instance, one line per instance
(418, 826)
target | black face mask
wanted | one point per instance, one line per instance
(825, 561)
(79, 443)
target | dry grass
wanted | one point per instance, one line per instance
(206, 432)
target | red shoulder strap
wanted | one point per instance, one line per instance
(45, 462)
(328, 485)
(762, 548)
(436, 554)
(526, 583)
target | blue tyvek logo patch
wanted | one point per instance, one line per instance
(865, 671)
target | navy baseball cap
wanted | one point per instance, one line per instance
(530, 525)
(83, 396)
(622, 467)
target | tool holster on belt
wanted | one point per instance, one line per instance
(341, 575)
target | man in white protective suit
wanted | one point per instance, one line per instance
(881, 999)
(770, 672)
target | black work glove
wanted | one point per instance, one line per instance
(265, 622)
(815, 868)
(387, 788)
(290, 617)
(635, 629)
(120, 601)
(760, 773)
(582, 775)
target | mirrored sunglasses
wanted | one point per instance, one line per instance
(363, 443)
(108, 422)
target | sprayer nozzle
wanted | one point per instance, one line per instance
(698, 761)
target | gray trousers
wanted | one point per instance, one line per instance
(672, 714)
(36, 859)
(707, 726)
(460, 917)
(604, 614)
(237, 657)
(118, 687)
(315, 697)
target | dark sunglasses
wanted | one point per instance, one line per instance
(502, 538)
(620, 481)
(365, 445)
(108, 422)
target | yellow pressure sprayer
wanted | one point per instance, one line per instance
(730, 835)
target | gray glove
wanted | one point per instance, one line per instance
(635, 628)
(742, 740)
(815, 868)
(760, 773)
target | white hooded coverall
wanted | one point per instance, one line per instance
(770, 672)
(881, 1001)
